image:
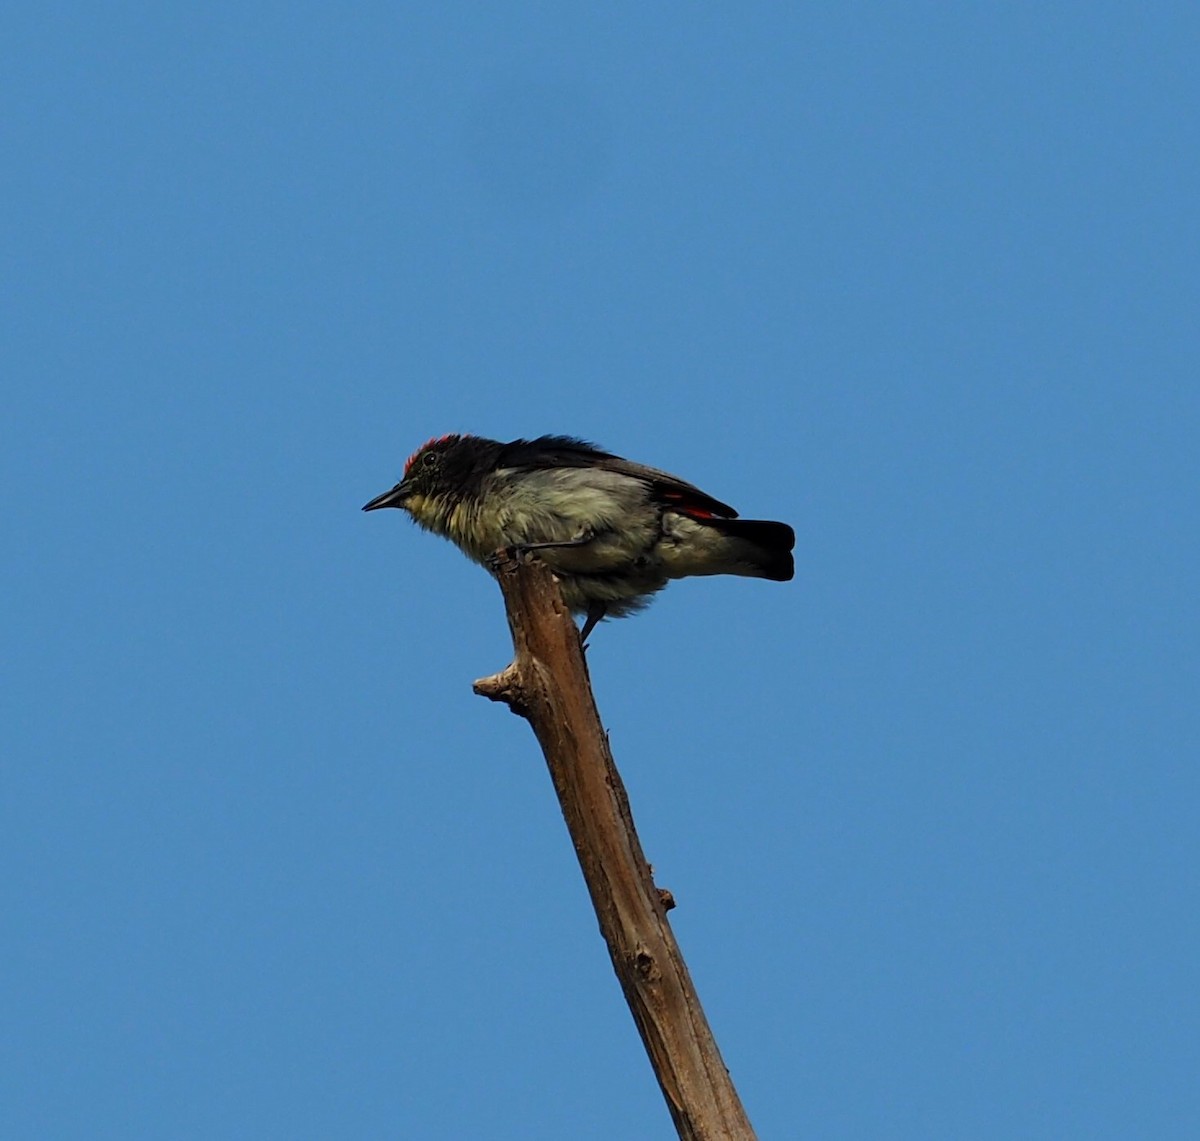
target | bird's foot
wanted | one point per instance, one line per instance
(498, 558)
(517, 552)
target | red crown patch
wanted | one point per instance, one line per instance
(431, 443)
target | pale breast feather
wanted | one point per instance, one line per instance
(560, 503)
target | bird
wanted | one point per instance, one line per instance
(614, 532)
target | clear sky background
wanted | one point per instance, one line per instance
(920, 279)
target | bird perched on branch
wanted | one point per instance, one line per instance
(614, 532)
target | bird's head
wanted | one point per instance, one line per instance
(436, 478)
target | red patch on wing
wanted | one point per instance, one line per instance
(680, 503)
(431, 443)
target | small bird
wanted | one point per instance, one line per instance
(613, 532)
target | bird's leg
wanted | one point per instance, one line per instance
(595, 611)
(516, 550)
(580, 540)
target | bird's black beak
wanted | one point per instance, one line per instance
(393, 498)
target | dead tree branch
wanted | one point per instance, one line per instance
(548, 685)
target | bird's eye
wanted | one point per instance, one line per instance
(429, 459)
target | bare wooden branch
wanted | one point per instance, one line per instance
(548, 685)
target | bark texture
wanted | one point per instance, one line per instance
(548, 685)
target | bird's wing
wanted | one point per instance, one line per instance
(566, 451)
(672, 491)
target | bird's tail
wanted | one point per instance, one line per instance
(758, 548)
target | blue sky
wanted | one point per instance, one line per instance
(919, 279)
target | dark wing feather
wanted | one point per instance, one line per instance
(551, 451)
(566, 451)
(672, 491)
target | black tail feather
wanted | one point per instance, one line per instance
(774, 542)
